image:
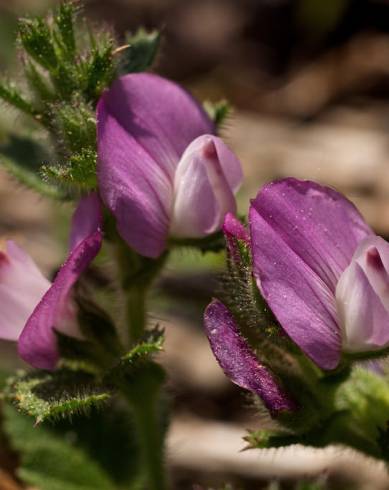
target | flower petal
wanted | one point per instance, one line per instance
(303, 237)
(203, 194)
(37, 343)
(87, 218)
(232, 227)
(239, 362)
(363, 317)
(300, 300)
(22, 286)
(234, 230)
(144, 124)
(320, 225)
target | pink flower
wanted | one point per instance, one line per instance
(31, 306)
(161, 170)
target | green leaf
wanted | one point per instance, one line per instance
(142, 49)
(38, 84)
(12, 95)
(51, 396)
(100, 71)
(49, 461)
(79, 171)
(64, 22)
(119, 455)
(139, 354)
(22, 158)
(75, 125)
(31, 180)
(218, 111)
(36, 39)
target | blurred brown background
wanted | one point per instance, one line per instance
(309, 83)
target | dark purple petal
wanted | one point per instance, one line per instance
(87, 218)
(37, 344)
(239, 362)
(303, 237)
(144, 124)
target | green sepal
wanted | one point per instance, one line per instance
(218, 111)
(211, 243)
(141, 353)
(52, 396)
(49, 460)
(141, 51)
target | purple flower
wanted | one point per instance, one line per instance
(31, 306)
(161, 171)
(321, 270)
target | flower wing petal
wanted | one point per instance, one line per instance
(37, 343)
(203, 194)
(22, 286)
(364, 318)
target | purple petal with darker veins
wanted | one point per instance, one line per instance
(37, 343)
(239, 362)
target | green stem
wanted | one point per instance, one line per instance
(142, 392)
(136, 313)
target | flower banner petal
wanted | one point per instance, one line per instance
(301, 301)
(239, 362)
(320, 225)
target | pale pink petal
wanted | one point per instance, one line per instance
(203, 194)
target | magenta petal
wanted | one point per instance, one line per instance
(320, 225)
(234, 230)
(239, 362)
(232, 227)
(87, 218)
(144, 124)
(303, 237)
(37, 343)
